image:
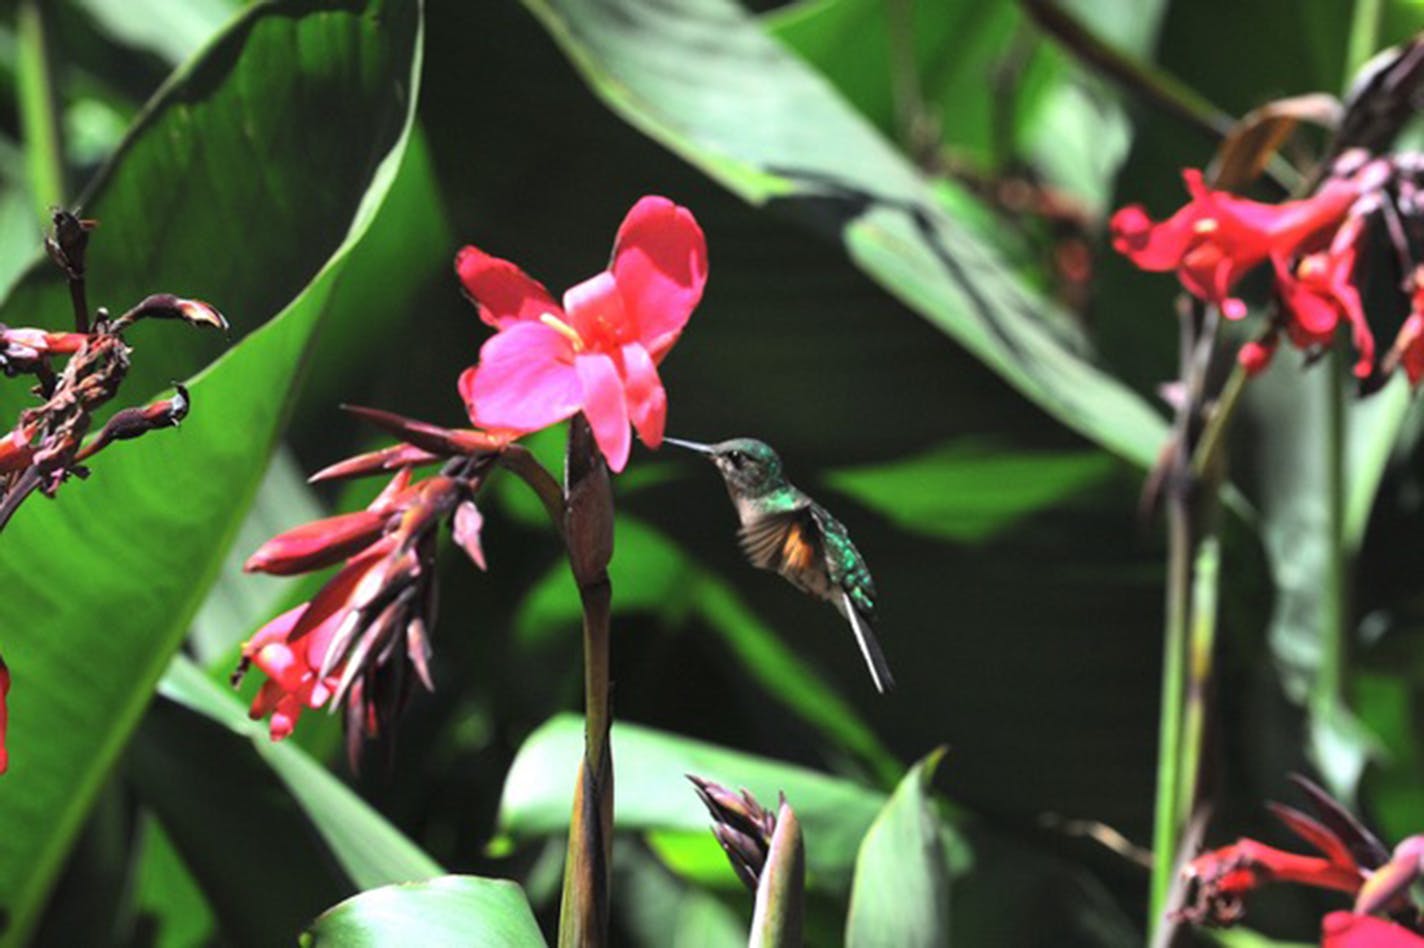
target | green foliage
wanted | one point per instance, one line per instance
(447, 910)
(900, 895)
(926, 370)
(100, 588)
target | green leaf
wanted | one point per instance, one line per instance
(765, 125)
(102, 583)
(173, 29)
(658, 908)
(167, 893)
(900, 896)
(450, 910)
(652, 793)
(968, 490)
(198, 754)
(226, 189)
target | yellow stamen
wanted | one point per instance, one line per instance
(563, 329)
(1206, 225)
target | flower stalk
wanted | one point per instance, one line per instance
(588, 534)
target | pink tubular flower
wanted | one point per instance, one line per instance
(1217, 237)
(291, 648)
(599, 352)
(4, 714)
(1348, 930)
(1319, 294)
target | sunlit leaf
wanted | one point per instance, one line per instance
(970, 491)
(900, 896)
(101, 584)
(450, 910)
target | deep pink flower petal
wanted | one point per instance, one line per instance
(660, 263)
(504, 293)
(1348, 930)
(597, 314)
(604, 406)
(276, 630)
(317, 545)
(4, 714)
(1153, 247)
(525, 379)
(644, 394)
(323, 615)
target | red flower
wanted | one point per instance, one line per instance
(1319, 294)
(292, 647)
(599, 352)
(1348, 930)
(1408, 348)
(4, 715)
(1217, 237)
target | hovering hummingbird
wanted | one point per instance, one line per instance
(785, 531)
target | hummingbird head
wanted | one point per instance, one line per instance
(750, 467)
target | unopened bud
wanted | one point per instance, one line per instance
(316, 545)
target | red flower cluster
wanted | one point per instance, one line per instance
(1312, 245)
(599, 352)
(1352, 860)
(358, 640)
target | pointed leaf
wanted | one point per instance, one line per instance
(900, 896)
(101, 584)
(450, 910)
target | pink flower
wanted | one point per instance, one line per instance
(1217, 237)
(292, 647)
(599, 352)
(1319, 294)
(4, 715)
(1348, 930)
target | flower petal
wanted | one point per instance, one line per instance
(644, 394)
(660, 263)
(525, 379)
(503, 293)
(318, 544)
(605, 408)
(4, 714)
(1347, 930)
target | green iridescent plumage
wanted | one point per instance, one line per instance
(785, 531)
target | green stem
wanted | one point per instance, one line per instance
(1163, 90)
(1201, 652)
(1166, 829)
(1364, 35)
(1330, 678)
(1214, 436)
(39, 110)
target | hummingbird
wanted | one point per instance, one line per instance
(785, 531)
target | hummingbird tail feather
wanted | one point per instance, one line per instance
(869, 647)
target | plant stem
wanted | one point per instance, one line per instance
(1201, 651)
(1208, 449)
(1364, 35)
(1166, 828)
(1330, 677)
(588, 534)
(38, 107)
(1163, 90)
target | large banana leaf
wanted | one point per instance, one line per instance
(102, 583)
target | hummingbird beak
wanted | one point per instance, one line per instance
(691, 445)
